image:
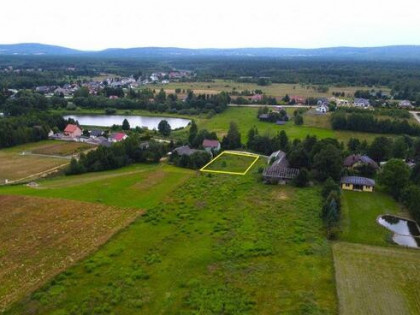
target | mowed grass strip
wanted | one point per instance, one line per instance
(377, 280)
(40, 237)
(229, 162)
(216, 244)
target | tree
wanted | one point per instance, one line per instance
(329, 186)
(380, 149)
(282, 141)
(328, 163)
(400, 148)
(233, 138)
(298, 120)
(192, 132)
(164, 128)
(125, 125)
(75, 168)
(411, 199)
(252, 133)
(302, 179)
(353, 145)
(395, 177)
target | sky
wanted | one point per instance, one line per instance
(96, 25)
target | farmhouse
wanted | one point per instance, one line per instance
(72, 131)
(96, 133)
(184, 150)
(405, 104)
(298, 99)
(211, 145)
(118, 136)
(356, 160)
(361, 102)
(357, 183)
(256, 97)
(279, 172)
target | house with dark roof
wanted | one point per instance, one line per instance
(73, 131)
(279, 171)
(211, 145)
(405, 104)
(361, 102)
(356, 160)
(357, 183)
(96, 133)
(184, 150)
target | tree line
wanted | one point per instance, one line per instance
(118, 155)
(28, 128)
(368, 123)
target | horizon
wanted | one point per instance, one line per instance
(205, 48)
(99, 25)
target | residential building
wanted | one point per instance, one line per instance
(117, 137)
(405, 104)
(279, 171)
(184, 150)
(356, 160)
(73, 131)
(357, 183)
(361, 102)
(211, 145)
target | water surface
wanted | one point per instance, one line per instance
(134, 121)
(406, 232)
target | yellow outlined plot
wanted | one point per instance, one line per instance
(247, 154)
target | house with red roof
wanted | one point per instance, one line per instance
(298, 99)
(117, 137)
(73, 131)
(211, 145)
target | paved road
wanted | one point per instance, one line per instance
(416, 116)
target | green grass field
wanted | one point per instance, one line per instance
(377, 280)
(245, 118)
(208, 244)
(231, 162)
(373, 275)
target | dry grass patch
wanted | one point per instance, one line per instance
(15, 166)
(41, 237)
(377, 280)
(62, 148)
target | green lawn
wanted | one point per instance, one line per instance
(377, 280)
(216, 244)
(231, 163)
(138, 186)
(360, 210)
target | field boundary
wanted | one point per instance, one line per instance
(256, 156)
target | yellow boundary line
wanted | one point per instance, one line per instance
(203, 169)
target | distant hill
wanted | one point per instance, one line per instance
(36, 49)
(356, 53)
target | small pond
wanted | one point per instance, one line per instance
(134, 121)
(406, 232)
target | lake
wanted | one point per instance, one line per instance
(134, 121)
(406, 232)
